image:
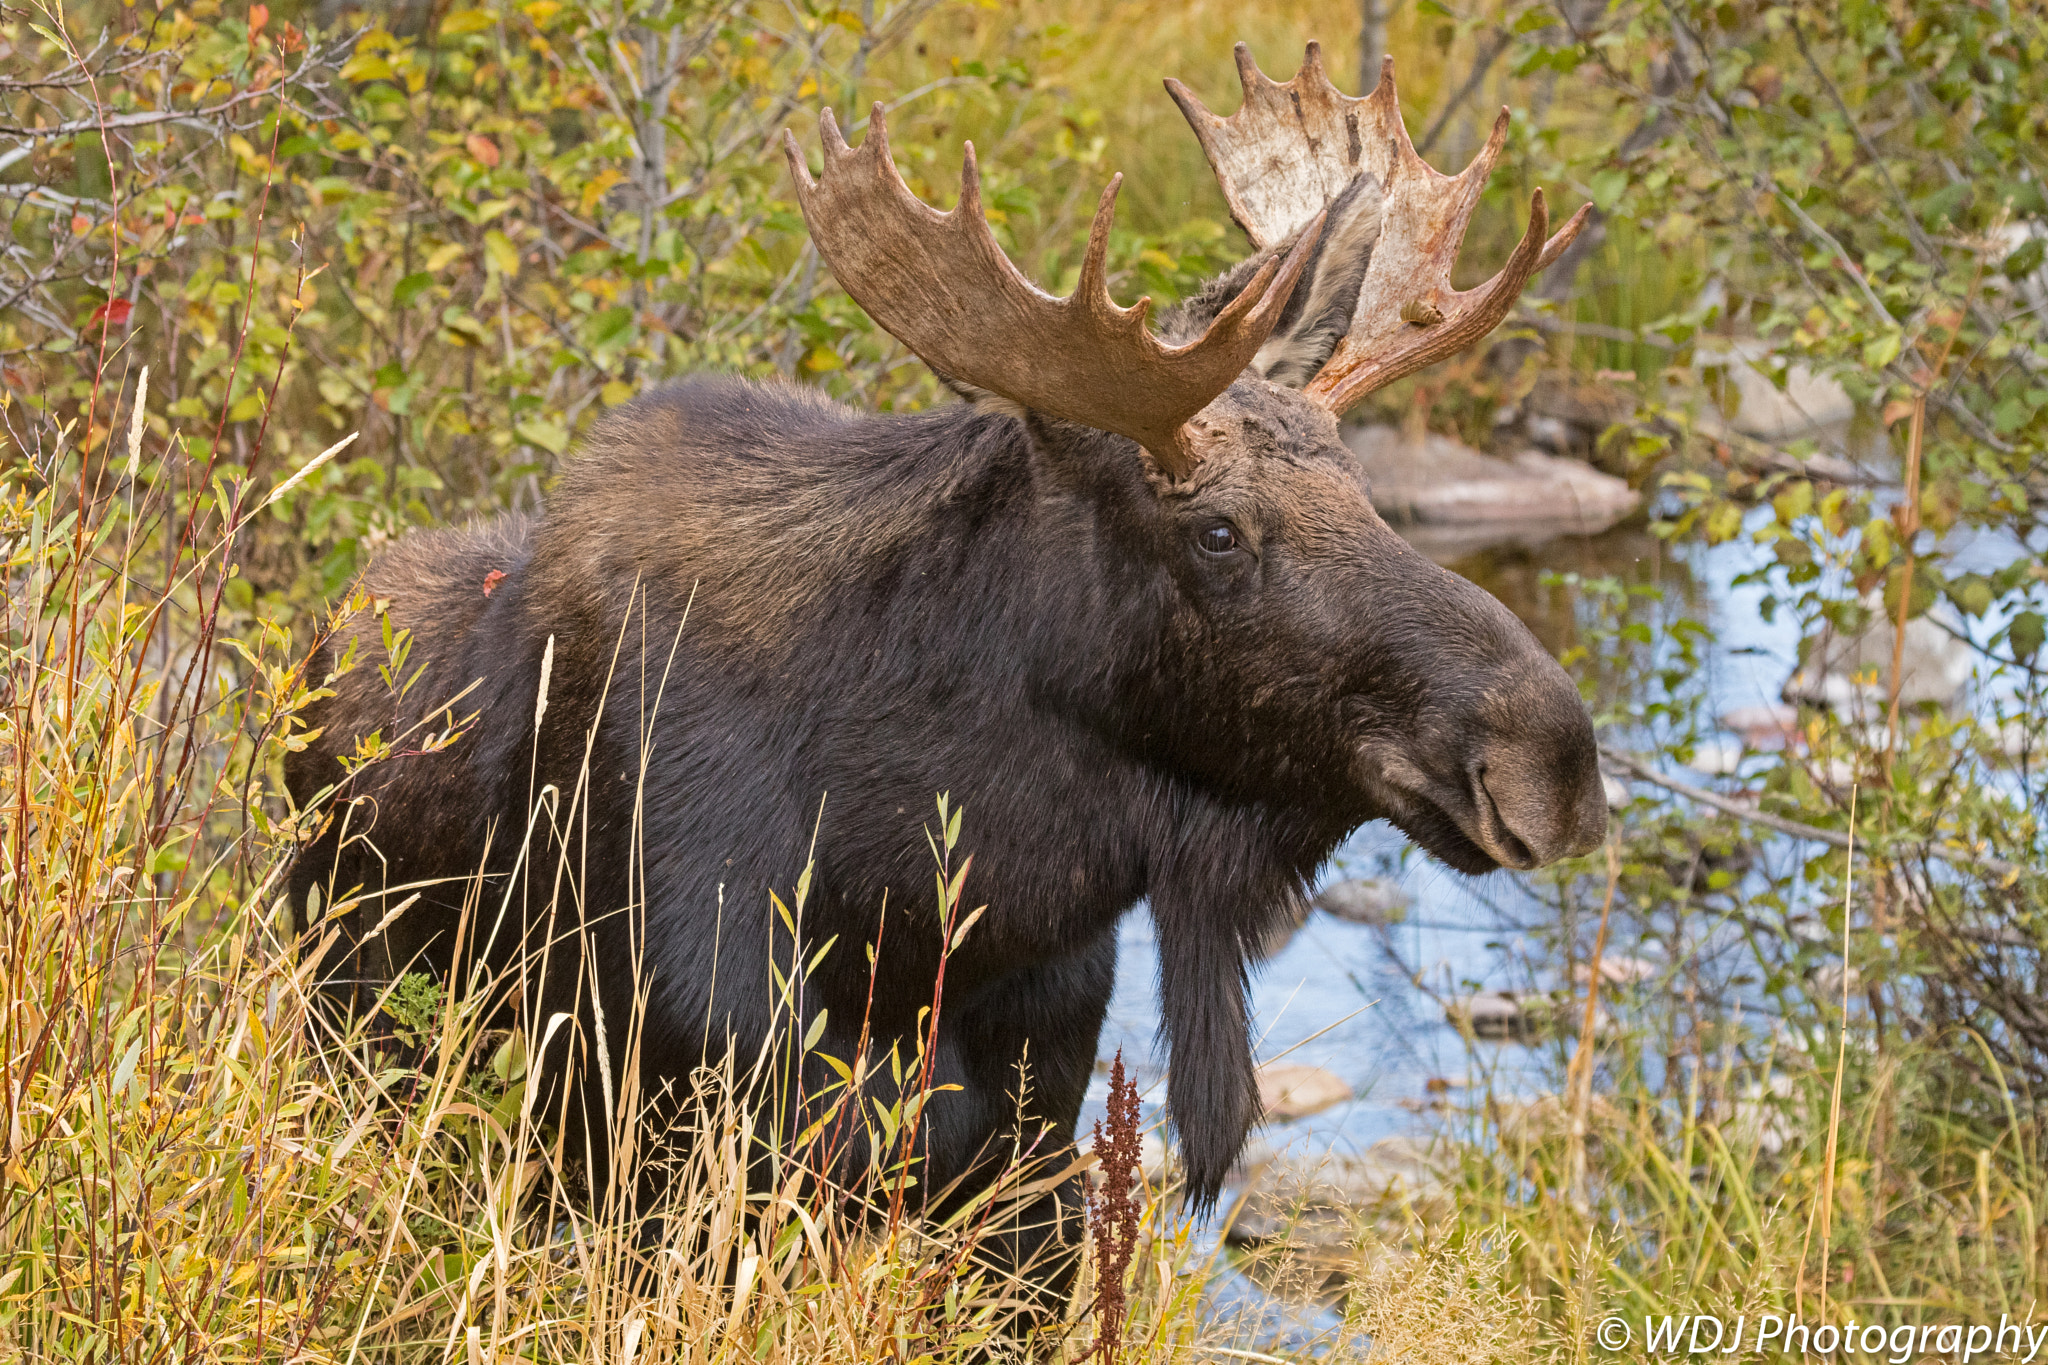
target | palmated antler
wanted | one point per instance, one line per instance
(938, 283)
(1291, 149)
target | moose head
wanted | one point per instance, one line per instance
(1311, 656)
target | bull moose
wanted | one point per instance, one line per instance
(1129, 603)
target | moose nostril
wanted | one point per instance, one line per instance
(1508, 845)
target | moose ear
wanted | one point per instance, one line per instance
(1319, 313)
(977, 397)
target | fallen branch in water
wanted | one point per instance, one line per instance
(1638, 769)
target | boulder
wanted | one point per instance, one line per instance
(1851, 674)
(1289, 1090)
(1527, 1122)
(1281, 932)
(1567, 414)
(1339, 1200)
(1716, 757)
(1739, 381)
(1764, 727)
(1439, 482)
(1756, 1117)
(1503, 1015)
(1364, 900)
(1616, 969)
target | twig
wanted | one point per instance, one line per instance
(116, 122)
(1544, 323)
(1754, 454)
(1487, 57)
(1636, 768)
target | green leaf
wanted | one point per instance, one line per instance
(608, 327)
(1971, 593)
(1879, 352)
(1925, 590)
(1723, 522)
(411, 287)
(2025, 635)
(125, 1072)
(502, 255)
(2026, 260)
(549, 436)
(1608, 187)
(462, 329)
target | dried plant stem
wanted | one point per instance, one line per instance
(1579, 1076)
(1824, 1207)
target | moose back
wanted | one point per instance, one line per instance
(1128, 604)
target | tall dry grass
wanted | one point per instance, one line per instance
(203, 1161)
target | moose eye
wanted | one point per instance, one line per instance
(1219, 539)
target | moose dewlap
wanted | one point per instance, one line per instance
(1128, 604)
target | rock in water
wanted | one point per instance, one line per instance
(1364, 900)
(1333, 1199)
(1851, 674)
(1281, 933)
(1765, 728)
(1616, 969)
(1441, 483)
(1510, 1015)
(1289, 1090)
(1761, 408)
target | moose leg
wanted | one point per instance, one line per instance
(1026, 1048)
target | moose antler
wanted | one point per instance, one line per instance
(1291, 149)
(940, 284)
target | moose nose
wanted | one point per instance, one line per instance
(1531, 812)
(1535, 777)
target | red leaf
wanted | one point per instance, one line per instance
(492, 580)
(259, 15)
(114, 312)
(483, 149)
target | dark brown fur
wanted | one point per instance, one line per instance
(1016, 611)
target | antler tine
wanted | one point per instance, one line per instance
(940, 284)
(1291, 149)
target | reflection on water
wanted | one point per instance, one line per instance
(1515, 574)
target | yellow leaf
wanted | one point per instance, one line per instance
(367, 66)
(440, 256)
(466, 21)
(503, 256)
(540, 11)
(597, 185)
(821, 360)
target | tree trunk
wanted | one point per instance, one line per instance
(1372, 40)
